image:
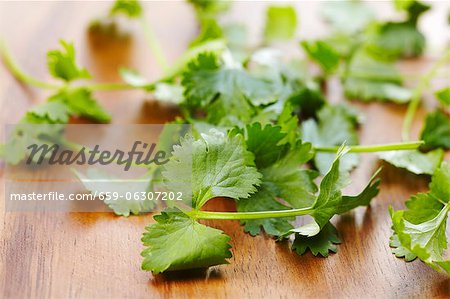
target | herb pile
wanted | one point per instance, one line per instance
(264, 132)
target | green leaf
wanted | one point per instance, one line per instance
(347, 16)
(363, 198)
(55, 111)
(330, 200)
(436, 132)
(80, 102)
(264, 200)
(279, 162)
(32, 129)
(422, 207)
(212, 166)
(265, 143)
(207, 9)
(209, 30)
(281, 23)
(427, 240)
(397, 39)
(443, 96)
(62, 64)
(335, 125)
(369, 79)
(223, 90)
(129, 8)
(330, 195)
(415, 9)
(322, 53)
(308, 100)
(400, 251)
(440, 181)
(415, 161)
(102, 184)
(322, 243)
(421, 229)
(176, 242)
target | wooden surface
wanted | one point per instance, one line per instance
(87, 255)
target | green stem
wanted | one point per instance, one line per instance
(248, 215)
(109, 86)
(417, 95)
(372, 148)
(20, 75)
(154, 45)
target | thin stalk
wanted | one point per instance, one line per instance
(20, 75)
(154, 45)
(248, 215)
(110, 86)
(417, 95)
(372, 148)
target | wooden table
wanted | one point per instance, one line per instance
(87, 255)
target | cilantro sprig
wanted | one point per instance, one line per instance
(420, 230)
(239, 175)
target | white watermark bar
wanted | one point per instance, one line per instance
(93, 168)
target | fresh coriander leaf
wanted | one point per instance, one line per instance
(347, 16)
(366, 90)
(422, 207)
(322, 53)
(102, 184)
(79, 101)
(209, 30)
(436, 132)
(322, 243)
(286, 180)
(415, 161)
(219, 88)
(392, 40)
(279, 162)
(335, 125)
(400, 251)
(264, 200)
(330, 201)
(421, 229)
(281, 23)
(207, 9)
(288, 122)
(444, 265)
(177, 242)
(212, 166)
(216, 46)
(427, 240)
(55, 111)
(265, 143)
(129, 8)
(443, 96)
(370, 79)
(62, 64)
(308, 100)
(363, 198)
(439, 183)
(31, 129)
(415, 9)
(330, 195)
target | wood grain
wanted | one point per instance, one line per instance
(90, 255)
